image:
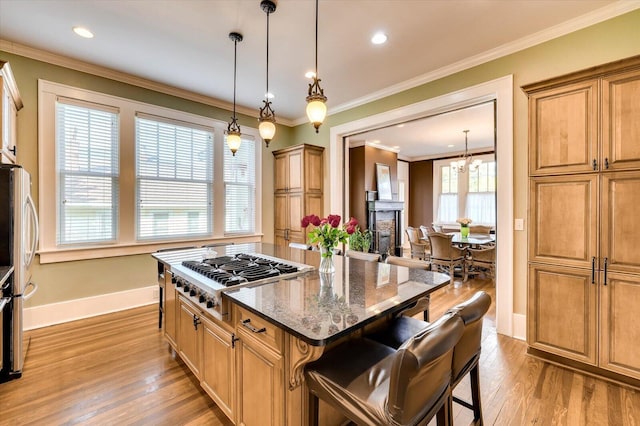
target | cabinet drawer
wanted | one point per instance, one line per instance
(258, 328)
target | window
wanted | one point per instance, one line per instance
(448, 196)
(120, 177)
(174, 179)
(240, 188)
(472, 194)
(481, 197)
(87, 172)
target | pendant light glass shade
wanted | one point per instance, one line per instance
(233, 129)
(316, 100)
(267, 118)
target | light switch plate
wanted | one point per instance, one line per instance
(518, 224)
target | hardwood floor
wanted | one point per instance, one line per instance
(117, 370)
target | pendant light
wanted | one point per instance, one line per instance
(466, 161)
(316, 107)
(267, 119)
(233, 129)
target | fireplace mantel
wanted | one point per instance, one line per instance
(383, 205)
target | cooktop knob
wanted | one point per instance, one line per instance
(193, 292)
(201, 299)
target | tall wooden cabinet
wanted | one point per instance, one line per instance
(298, 191)
(584, 249)
(10, 104)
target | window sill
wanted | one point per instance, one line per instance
(86, 253)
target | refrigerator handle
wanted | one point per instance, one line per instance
(36, 230)
(27, 296)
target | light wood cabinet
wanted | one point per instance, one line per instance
(190, 336)
(10, 104)
(219, 366)
(298, 184)
(260, 372)
(169, 307)
(584, 186)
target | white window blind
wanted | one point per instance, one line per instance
(481, 198)
(240, 187)
(87, 139)
(448, 198)
(174, 179)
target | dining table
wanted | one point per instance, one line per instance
(473, 240)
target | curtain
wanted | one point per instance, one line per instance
(447, 208)
(481, 208)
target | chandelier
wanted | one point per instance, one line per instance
(316, 107)
(466, 162)
(233, 129)
(267, 119)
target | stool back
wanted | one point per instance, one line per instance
(467, 350)
(421, 370)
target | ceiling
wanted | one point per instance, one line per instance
(185, 43)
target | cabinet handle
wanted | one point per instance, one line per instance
(234, 339)
(13, 150)
(606, 163)
(247, 323)
(595, 164)
(606, 264)
(593, 270)
(196, 321)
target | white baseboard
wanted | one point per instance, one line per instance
(71, 310)
(520, 326)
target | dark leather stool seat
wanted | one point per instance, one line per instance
(466, 353)
(374, 384)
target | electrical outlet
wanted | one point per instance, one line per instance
(156, 294)
(518, 224)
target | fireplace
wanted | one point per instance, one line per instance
(383, 220)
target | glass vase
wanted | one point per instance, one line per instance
(464, 231)
(326, 260)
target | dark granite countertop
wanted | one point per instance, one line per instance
(321, 308)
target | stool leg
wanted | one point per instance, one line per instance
(313, 409)
(425, 313)
(475, 395)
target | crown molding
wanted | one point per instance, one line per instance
(100, 71)
(611, 11)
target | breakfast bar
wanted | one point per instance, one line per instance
(249, 344)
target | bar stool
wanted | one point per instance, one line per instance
(374, 384)
(466, 353)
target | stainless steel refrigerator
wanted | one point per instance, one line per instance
(18, 245)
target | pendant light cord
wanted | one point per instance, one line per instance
(235, 61)
(266, 95)
(316, 38)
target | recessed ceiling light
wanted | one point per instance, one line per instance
(396, 147)
(400, 125)
(269, 95)
(310, 74)
(83, 32)
(450, 146)
(375, 141)
(379, 38)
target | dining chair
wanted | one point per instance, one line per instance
(445, 255)
(373, 384)
(482, 258)
(480, 229)
(425, 232)
(437, 228)
(419, 248)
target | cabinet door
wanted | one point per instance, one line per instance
(218, 366)
(563, 129)
(170, 308)
(563, 217)
(189, 335)
(295, 211)
(281, 172)
(295, 170)
(562, 312)
(620, 118)
(260, 384)
(620, 228)
(313, 171)
(281, 216)
(619, 331)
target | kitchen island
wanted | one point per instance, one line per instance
(248, 344)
